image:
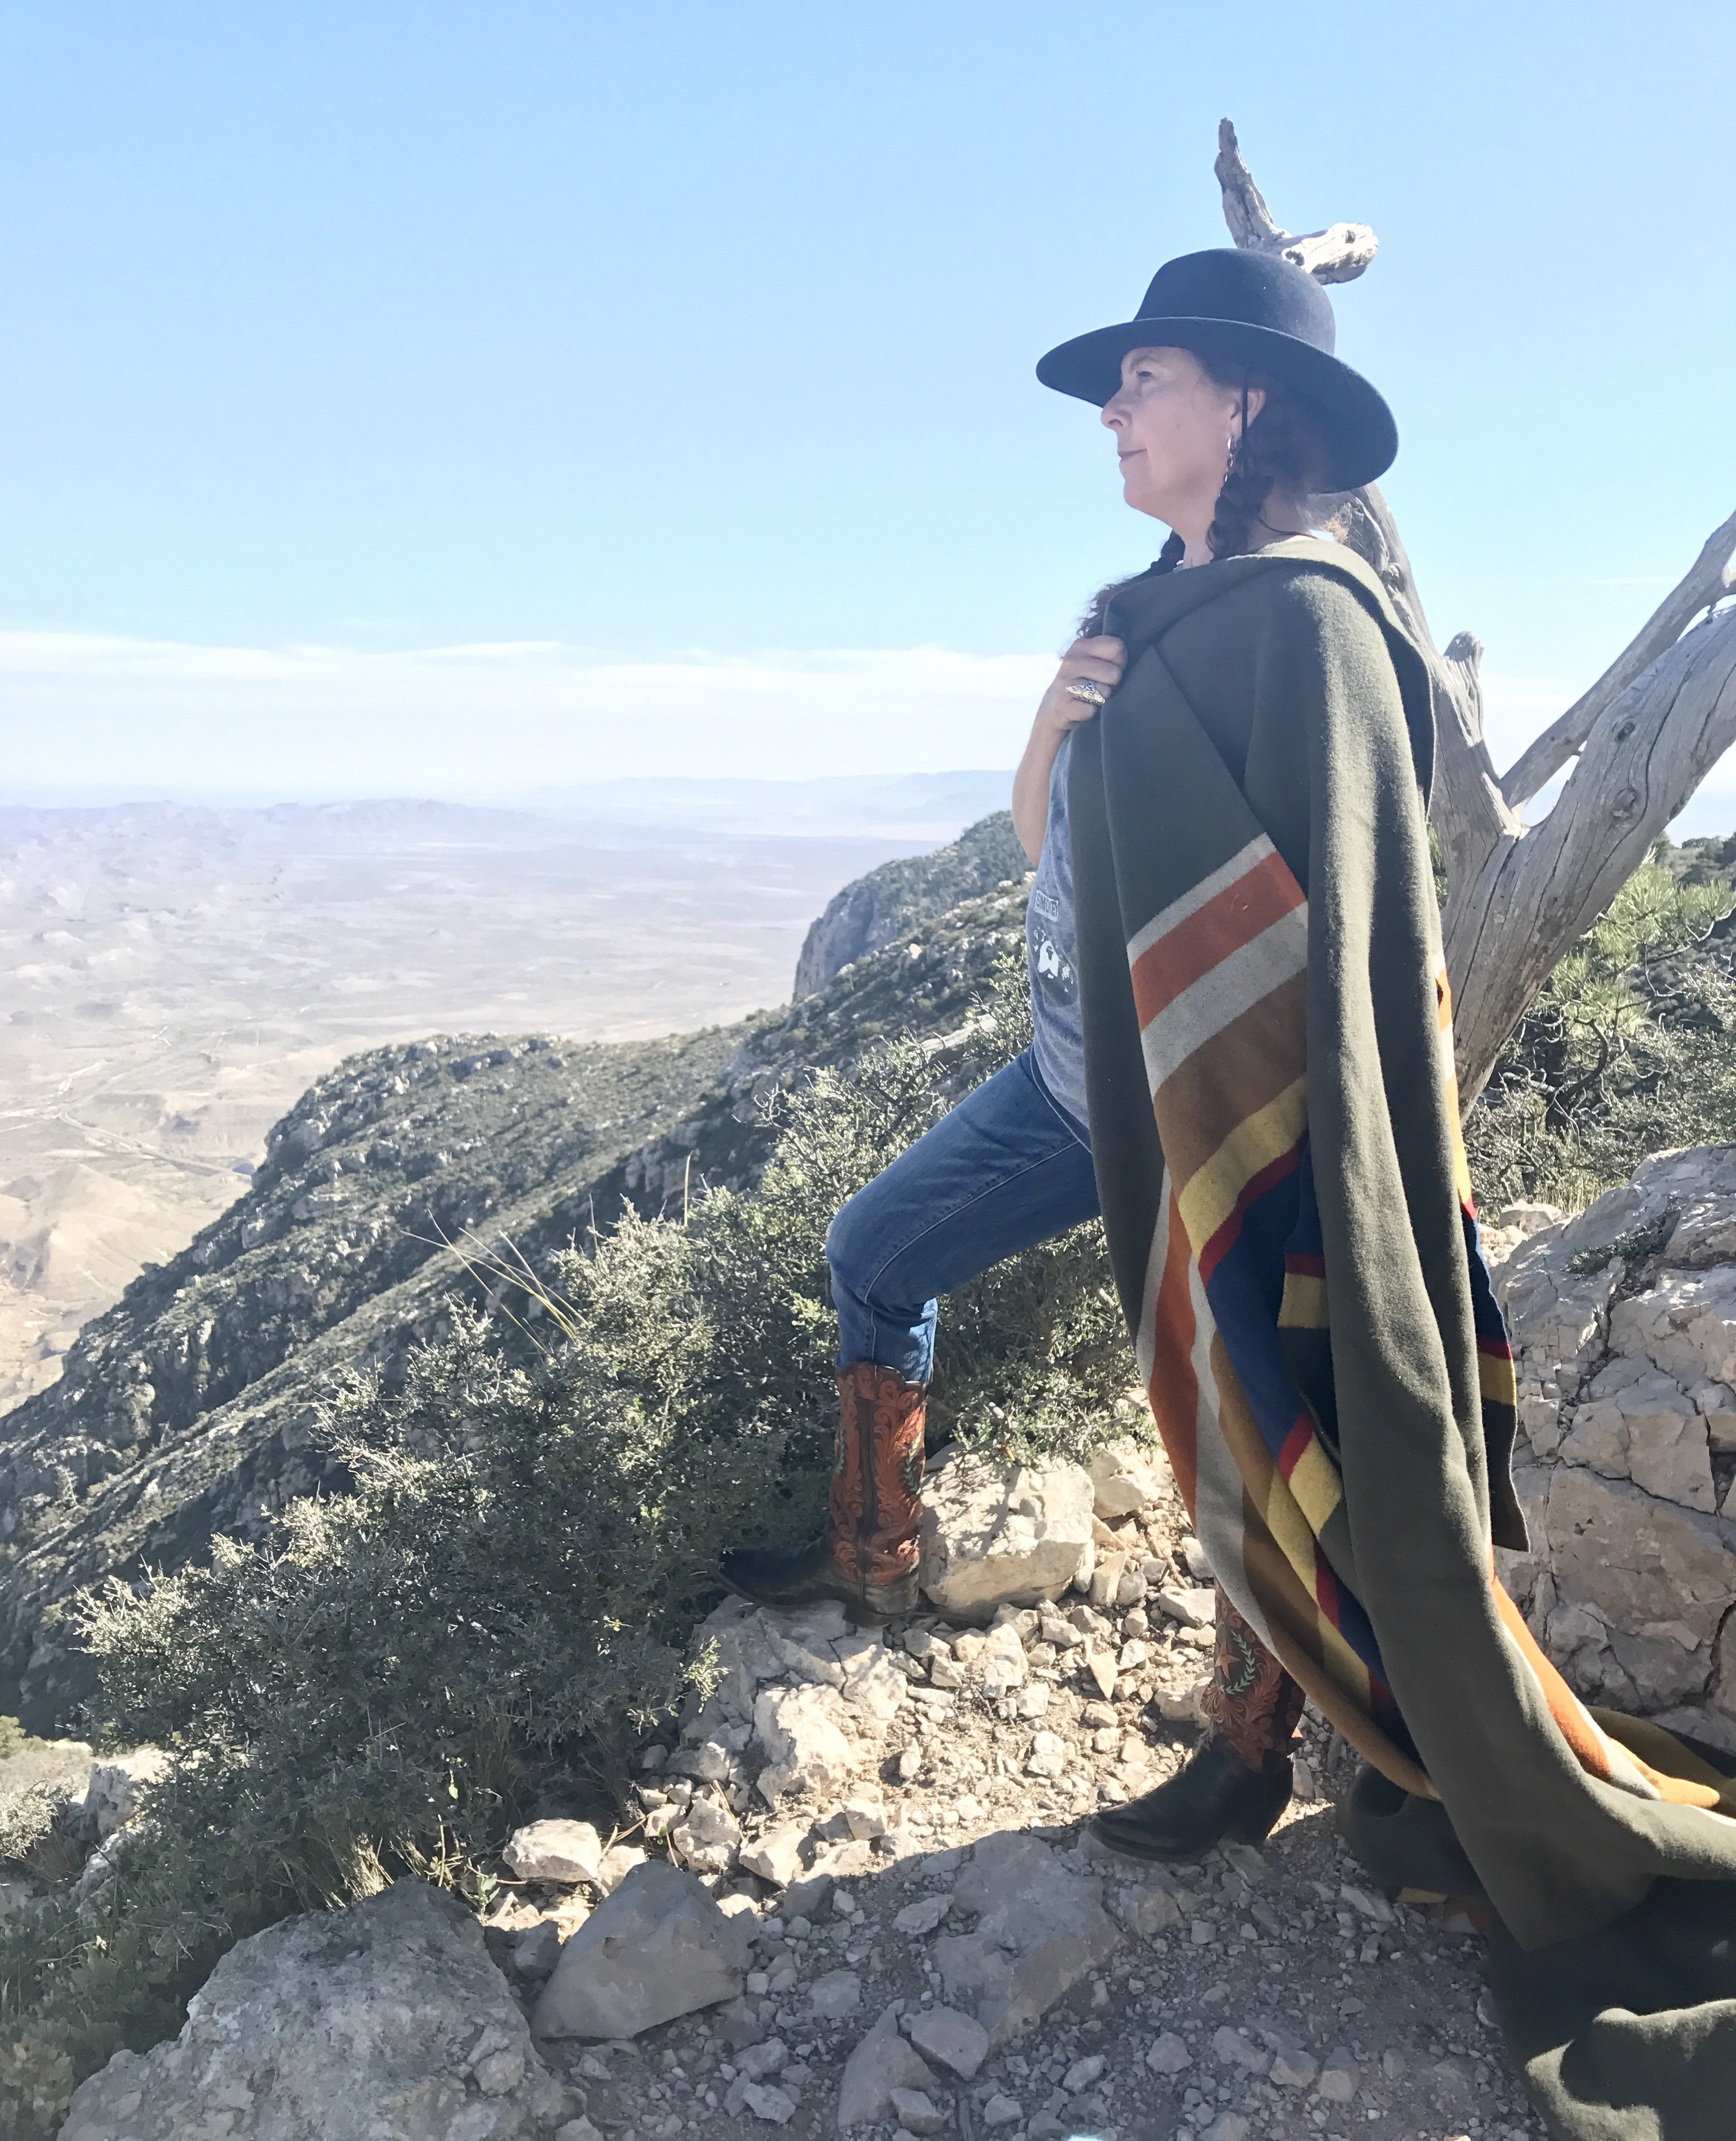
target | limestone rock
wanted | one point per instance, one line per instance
(994, 1536)
(801, 1729)
(1003, 1662)
(881, 2063)
(383, 2022)
(777, 1856)
(1041, 1930)
(709, 1838)
(116, 1787)
(1193, 1608)
(656, 1948)
(955, 2041)
(1168, 2055)
(554, 1850)
(1626, 1404)
(1127, 1477)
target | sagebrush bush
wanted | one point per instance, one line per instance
(483, 1625)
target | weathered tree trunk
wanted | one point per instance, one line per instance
(1645, 735)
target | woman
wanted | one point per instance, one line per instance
(1202, 395)
(1244, 1058)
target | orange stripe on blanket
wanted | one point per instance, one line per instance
(1259, 898)
(1588, 1743)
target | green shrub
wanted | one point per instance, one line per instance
(484, 1624)
(1629, 1049)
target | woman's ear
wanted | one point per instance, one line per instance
(1256, 400)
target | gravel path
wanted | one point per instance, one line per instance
(1258, 1994)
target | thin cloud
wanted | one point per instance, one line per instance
(484, 717)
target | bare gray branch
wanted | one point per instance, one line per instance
(1708, 581)
(1337, 254)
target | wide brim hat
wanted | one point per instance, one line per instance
(1247, 310)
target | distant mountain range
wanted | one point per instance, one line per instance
(911, 806)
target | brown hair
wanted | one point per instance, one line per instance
(1280, 450)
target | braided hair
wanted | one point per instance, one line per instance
(1279, 451)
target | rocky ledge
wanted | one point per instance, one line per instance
(855, 1896)
(1623, 1322)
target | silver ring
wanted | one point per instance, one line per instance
(1092, 694)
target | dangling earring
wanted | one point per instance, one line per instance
(1230, 462)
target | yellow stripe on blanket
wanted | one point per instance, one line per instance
(1303, 1305)
(1496, 1381)
(1210, 1194)
(1298, 1544)
(1316, 1486)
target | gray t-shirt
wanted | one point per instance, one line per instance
(1057, 1038)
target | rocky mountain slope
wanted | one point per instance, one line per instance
(191, 1406)
(172, 978)
(899, 896)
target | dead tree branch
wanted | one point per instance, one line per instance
(1711, 577)
(1337, 254)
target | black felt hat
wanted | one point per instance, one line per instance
(1242, 308)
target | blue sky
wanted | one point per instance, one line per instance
(674, 364)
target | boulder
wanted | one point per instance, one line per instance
(1041, 1929)
(554, 1850)
(656, 1948)
(383, 2022)
(994, 1535)
(1127, 1477)
(880, 2063)
(1626, 1370)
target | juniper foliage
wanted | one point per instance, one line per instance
(1629, 1049)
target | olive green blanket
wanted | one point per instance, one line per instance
(1275, 1124)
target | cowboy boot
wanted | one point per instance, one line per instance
(1238, 1781)
(867, 1555)
(1213, 1797)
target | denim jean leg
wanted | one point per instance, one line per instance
(1007, 1168)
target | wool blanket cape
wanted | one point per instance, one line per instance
(1275, 1124)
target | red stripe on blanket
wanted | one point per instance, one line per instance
(1256, 1185)
(1230, 918)
(1295, 1446)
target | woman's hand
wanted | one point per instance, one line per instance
(1098, 662)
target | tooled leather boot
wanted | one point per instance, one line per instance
(1215, 1797)
(867, 1555)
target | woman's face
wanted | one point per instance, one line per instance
(1174, 426)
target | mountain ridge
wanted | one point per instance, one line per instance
(192, 1406)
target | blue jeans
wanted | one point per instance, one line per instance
(1005, 1169)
